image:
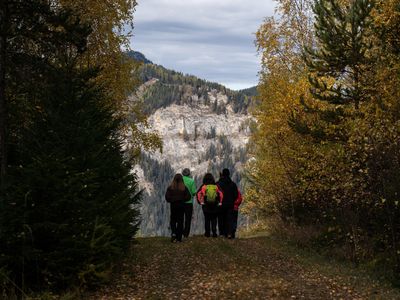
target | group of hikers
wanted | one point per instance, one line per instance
(220, 203)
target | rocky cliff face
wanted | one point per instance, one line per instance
(204, 127)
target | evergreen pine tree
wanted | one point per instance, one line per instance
(341, 31)
(30, 36)
(67, 209)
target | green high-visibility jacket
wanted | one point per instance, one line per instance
(191, 186)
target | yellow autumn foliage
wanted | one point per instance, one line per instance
(282, 80)
(111, 22)
(334, 166)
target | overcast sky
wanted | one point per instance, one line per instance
(212, 39)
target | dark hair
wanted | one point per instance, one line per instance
(208, 179)
(226, 173)
(186, 172)
(177, 183)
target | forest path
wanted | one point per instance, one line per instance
(251, 268)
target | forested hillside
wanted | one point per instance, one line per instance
(157, 176)
(204, 126)
(172, 87)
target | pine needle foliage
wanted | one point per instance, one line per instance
(341, 53)
(69, 200)
(69, 209)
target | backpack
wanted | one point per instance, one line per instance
(211, 194)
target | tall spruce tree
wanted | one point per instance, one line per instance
(68, 205)
(339, 60)
(31, 34)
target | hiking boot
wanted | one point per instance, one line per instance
(215, 235)
(173, 238)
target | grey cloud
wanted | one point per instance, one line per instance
(214, 41)
(167, 32)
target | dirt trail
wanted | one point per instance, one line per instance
(216, 268)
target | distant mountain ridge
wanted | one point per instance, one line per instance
(172, 87)
(138, 56)
(251, 91)
(204, 127)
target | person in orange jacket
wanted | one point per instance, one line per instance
(236, 205)
(210, 197)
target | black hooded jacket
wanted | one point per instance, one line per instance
(229, 190)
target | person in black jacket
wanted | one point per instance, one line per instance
(177, 194)
(226, 211)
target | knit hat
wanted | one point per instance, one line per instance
(186, 172)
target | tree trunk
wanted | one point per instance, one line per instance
(3, 102)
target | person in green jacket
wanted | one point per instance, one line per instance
(191, 186)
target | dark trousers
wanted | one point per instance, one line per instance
(210, 220)
(225, 221)
(188, 218)
(177, 213)
(234, 222)
(221, 224)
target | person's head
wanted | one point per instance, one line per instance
(177, 183)
(186, 172)
(208, 179)
(226, 173)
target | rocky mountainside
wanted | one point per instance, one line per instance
(204, 127)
